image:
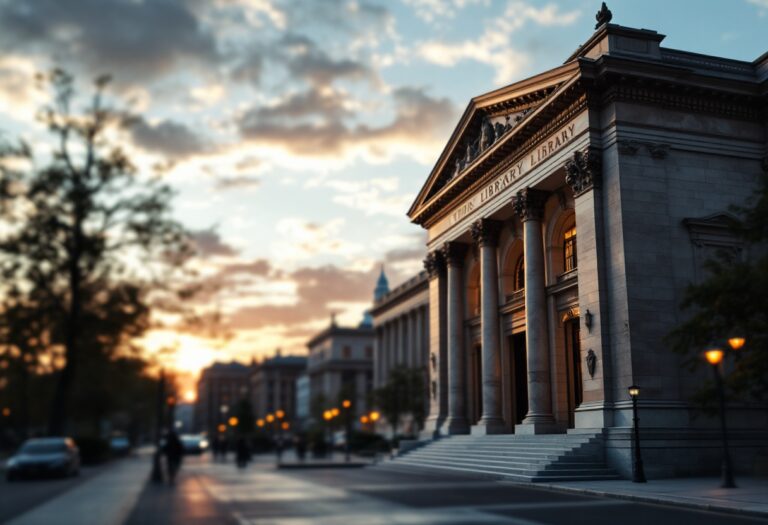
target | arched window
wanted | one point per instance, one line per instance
(569, 249)
(519, 276)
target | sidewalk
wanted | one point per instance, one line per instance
(107, 498)
(290, 460)
(750, 498)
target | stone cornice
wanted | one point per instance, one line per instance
(485, 232)
(529, 204)
(583, 171)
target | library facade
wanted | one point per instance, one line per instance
(566, 215)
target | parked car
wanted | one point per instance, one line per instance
(44, 456)
(119, 445)
(193, 444)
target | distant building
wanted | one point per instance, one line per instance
(302, 398)
(220, 387)
(341, 365)
(401, 326)
(273, 385)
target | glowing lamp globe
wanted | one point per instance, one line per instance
(714, 356)
(736, 342)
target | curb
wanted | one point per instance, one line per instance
(658, 500)
(328, 465)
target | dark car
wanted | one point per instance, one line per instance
(56, 456)
(193, 444)
(119, 445)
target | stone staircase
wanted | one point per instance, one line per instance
(540, 458)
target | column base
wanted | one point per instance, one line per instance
(537, 427)
(434, 427)
(456, 426)
(487, 427)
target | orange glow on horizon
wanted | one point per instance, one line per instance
(190, 396)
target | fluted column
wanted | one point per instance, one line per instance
(486, 234)
(437, 361)
(457, 414)
(529, 206)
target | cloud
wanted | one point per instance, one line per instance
(418, 128)
(494, 47)
(237, 182)
(209, 244)
(133, 40)
(171, 139)
(372, 196)
(431, 10)
(302, 240)
(18, 96)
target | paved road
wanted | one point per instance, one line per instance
(19, 496)
(210, 493)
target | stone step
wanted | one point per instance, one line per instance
(525, 464)
(515, 474)
(510, 456)
(501, 449)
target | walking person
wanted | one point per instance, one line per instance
(242, 453)
(174, 452)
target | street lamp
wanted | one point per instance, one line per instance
(714, 357)
(638, 474)
(347, 404)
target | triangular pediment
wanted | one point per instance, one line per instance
(488, 121)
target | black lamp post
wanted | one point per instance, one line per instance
(347, 405)
(715, 357)
(638, 474)
(157, 469)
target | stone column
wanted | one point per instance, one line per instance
(457, 415)
(377, 357)
(584, 176)
(417, 338)
(437, 350)
(485, 232)
(529, 206)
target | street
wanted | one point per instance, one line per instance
(217, 493)
(20, 496)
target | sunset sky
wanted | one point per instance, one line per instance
(300, 131)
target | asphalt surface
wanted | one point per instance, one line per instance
(22, 495)
(215, 493)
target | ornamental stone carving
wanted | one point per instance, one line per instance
(657, 151)
(628, 147)
(434, 263)
(485, 232)
(454, 253)
(591, 362)
(529, 204)
(583, 171)
(603, 16)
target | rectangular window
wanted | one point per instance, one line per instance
(569, 249)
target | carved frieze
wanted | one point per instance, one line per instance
(583, 171)
(434, 263)
(454, 253)
(529, 204)
(485, 232)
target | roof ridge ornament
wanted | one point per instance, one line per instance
(603, 16)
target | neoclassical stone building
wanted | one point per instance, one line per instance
(565, 216)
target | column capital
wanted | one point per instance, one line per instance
(454, 253)
(485, 232)
(529, 204)
(583, 171)
(434, 263)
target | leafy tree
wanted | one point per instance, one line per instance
(85, 234)
(403, 394)
(730, 301)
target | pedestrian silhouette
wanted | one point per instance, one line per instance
(174, 451)
(242, 452)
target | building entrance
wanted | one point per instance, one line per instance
(476, 384)
(573, 363)
(518, 362)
